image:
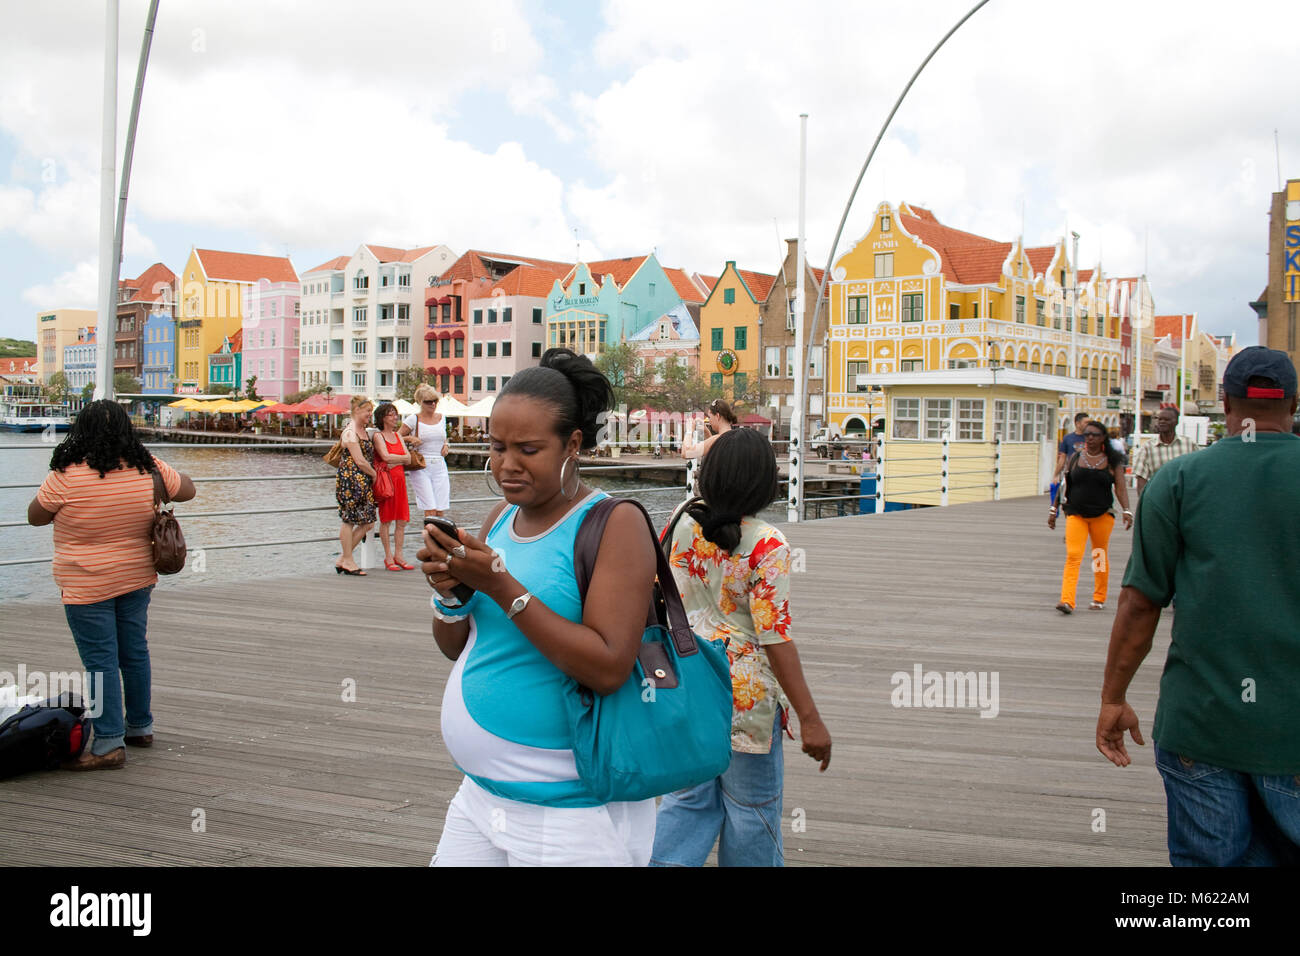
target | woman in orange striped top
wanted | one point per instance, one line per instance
(99, 496)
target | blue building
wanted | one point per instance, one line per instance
(159, 367)
(79, 366)
(611, 301)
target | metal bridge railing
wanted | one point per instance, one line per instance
(414, 524)
(867, 503)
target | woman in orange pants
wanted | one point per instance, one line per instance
(1093, 478)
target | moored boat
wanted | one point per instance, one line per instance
(25, 408)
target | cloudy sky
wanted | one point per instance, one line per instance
(520, 126)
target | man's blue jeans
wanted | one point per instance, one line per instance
(1221, 817)
(740, 810)
(110, 637)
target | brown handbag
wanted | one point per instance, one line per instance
(417, 460)
(168, 542)
(334, 457)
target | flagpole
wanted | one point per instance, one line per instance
(1137, 319)
(795, 469)
(107, 312)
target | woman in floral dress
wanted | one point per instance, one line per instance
(354, 487)
(732, 569)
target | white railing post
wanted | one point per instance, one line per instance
(997, 468)
(880, 476)
(943, 473)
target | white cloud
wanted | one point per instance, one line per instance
(1123, 120)
(305, 125)
(74, 289)
(330, 124)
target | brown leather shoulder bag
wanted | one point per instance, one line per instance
(168, 542)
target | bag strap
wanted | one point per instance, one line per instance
(667, 536)
(160, 496)
(586, 545)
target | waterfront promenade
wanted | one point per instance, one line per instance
(255, 739)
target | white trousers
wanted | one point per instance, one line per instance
(432, 485)
(483, 830)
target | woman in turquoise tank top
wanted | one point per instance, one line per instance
(526, 631)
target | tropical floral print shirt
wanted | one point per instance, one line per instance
(742, 599)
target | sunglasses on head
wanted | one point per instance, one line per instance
(1094, 435)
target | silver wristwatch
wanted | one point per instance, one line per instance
(518, 604)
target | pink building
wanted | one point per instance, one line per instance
(271, 338)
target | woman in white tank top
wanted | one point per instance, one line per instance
(427, 431)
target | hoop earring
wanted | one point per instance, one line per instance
(491, 481)
(576, 485)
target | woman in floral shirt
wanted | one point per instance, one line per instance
(732, 570)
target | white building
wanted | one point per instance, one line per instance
(360, 315)
(1167, 360)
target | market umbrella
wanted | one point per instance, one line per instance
(480, 409)
(326, 408)
(222, 407)
(450, 405)
(329, 408)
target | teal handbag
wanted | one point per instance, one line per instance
(669, 726)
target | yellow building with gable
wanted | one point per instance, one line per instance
(914, 295)
(212, 289)
(730, 353)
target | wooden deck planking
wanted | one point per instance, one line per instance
(252, 727)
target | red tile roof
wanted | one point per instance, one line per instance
(17, 366)
(1085, 275)
(621, 269)
(759, 283)
(936, 235)
(965, 257)
(333, 265)
(471, 266)
(1175, 326)
(530, 280)
(1040, 258)
(237, 341)
(152, 282)
(394, 254)
(918, 212)
(245, 267)
(977, 265)
(684, 287)
(708, 281)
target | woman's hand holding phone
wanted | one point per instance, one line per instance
(449, 573)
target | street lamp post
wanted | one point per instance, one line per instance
(1074, 320)
(802, 371)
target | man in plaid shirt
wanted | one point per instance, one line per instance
(1153, 455)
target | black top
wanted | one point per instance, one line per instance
(1090, 491)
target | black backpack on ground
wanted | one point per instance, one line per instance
(42, 736)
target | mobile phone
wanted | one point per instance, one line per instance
(462, 591)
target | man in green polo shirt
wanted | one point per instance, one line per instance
(1222, 528)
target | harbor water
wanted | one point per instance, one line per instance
(208, 539)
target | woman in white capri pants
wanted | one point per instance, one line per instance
(427, 431)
